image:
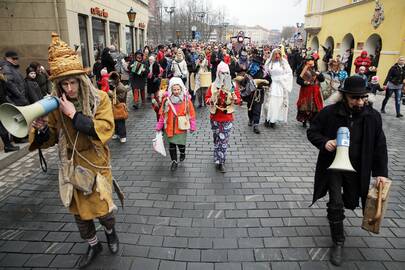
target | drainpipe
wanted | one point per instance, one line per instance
(55, 6)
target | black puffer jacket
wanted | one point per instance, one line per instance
(396, 75)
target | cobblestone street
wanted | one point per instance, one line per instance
(254, 217)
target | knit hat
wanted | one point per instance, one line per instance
(375, 79)
(62, 59)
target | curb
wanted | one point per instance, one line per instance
(8, 158)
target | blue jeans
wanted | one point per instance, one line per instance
(388, 94)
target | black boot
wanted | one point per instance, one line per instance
(173, 167)
(113, 241)
(91, 253)
(221, 168)
(267, 124)
(337, 233)
(304, 124)
(10, 148)
(272, 125)
(182, 157)
(250, 123)
(256, 129)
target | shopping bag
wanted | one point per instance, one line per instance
(158, 144)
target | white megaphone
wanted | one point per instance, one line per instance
(17, 119)
(342, 160)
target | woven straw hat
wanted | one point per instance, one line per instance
(62, 59)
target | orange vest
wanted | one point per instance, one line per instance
(171, 125)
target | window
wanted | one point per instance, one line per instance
(129, 39)
(99, 40)
(84, 40)
(114, 35)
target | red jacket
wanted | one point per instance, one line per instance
(104, 83)
(362, 60)
(219, 115)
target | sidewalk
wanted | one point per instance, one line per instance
(8, 158)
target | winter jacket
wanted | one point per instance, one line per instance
(15, 84)
(373, 150)
(396, 75)
(33, 91)
(221, 116)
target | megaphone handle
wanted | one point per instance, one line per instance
(42, 161)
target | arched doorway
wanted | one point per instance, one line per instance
(315, 43)
(328, 48)
(373, 47)
(346, 50)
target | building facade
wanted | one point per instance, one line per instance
(377, 26)
(87, 25)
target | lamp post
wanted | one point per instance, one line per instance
(201, 15)
(170, 10)
(178, 33)
(225, 25)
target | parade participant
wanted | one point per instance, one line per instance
(242, 64)
(137, 78)
(154, 76)
(121, 96)
(275, 107)
(81, 128)
(221, 97)
(367, 153)
(362, 60)
(179, 67)
(202, 66)
(310, 100)
(394, 83)
(216, 58)
(176, 107)
(255, 99)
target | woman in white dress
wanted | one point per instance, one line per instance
(275, 106)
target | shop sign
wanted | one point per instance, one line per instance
(99, 12)
(141, 25)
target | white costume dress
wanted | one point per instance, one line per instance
(275, 106)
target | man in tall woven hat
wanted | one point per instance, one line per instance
(81, 128)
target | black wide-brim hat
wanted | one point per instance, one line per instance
(355, 85)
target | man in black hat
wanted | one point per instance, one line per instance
(15, 81)
(367, 153)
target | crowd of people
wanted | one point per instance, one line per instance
(171, 77)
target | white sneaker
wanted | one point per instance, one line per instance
(123, 140)
(115, 136)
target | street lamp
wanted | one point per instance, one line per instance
(178, 33)
(131, 16)
(170, 11)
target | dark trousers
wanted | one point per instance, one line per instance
(4, 135)
(338, 200)
(88, 230)
(388, 94)
(201, 95)
(173, 150)
(120, 128)
(254, 110)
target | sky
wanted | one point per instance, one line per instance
(271, 14)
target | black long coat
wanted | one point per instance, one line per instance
(374, 156)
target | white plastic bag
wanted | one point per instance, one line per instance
(158, 144)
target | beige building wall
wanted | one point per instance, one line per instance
(26, 25)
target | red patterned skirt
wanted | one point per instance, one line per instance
(309, 102)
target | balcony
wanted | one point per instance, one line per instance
(313, 23)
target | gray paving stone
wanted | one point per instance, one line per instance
(65, 261)
(240, 255)
(228, 266)
(178, 242)
(188, 255)
(225, 243)
(161, 253)
(200, 266)
(285, 266)
(268, 254)
(14, 260)
(256, 266)
(214, 255)
(170, 265)
(145, 264)
(39, 260)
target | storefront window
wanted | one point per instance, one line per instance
(129, 41)
(99, 39)
(84, 41)
(141, 38)
(114, 35)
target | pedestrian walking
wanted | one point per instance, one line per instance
(176, 118)
(81, 127)
(202, 67)
(137, 77)
(221, 97)
(179, 67)
(275, 107)
(367, 153)
(394, 83)
(310, 99)
(119, 92)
